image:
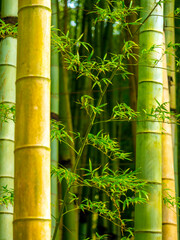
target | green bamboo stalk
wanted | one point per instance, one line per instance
(55, 115)
(67, 159)
(103, 224)
(132, 68)
(169, 217)
(116, 130)
(170, 38)
(67, 155)
(7, 96)
(91, 217)
(148, 216)
(83, 84)
(85, 217)
(9, 8)
(77, 20)
(177, 133)
(32, 218)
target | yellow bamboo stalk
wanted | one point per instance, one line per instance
(32, 218)
(170, 38)
(169, 216)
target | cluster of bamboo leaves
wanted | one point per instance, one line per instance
(6, 196)
(7, 29)
(7, 112)
(119, 14)
(115, 184)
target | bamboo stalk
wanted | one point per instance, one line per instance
(32, 218)
(7, 97)
(169, 219)
(133, 68)
(54, 115)
(67, 159)
(170, 37)
(148, 216)
(67, 155)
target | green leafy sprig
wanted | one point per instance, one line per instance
(6, 196)
(115, 184)
(109, 147)
(7, 112)
(8, 30)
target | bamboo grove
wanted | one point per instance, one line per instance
(89, 118)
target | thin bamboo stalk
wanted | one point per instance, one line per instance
(84, 217)
(133, 68)
(176, 165)
(148, 216)
(170, 37)
(115, 133)
(67, 159)
(169, 219)
(7, 96)
(55, 115)
(67, 155)
(176, 132)
(9, 8)
(32, 218)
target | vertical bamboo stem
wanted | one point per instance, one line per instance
(170, 38)
(67, 155)
(169, 219)
(148, 216)
(32, 218)
(132, 68)
(54, 115)
(7, 96)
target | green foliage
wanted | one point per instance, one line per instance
(63, 43)
(109, 147)
(87, 66)
(7, 30)
(115, 184)
(63, 173)
(58, 132)
(115, 12)
(123, 112)
(98, 237)
(177, 11)
(101, 72)
(7, 112)
(146, 53)
(6, 196)
(169, 200)
(161, 114)
(86, 103)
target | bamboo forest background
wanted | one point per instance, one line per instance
(114, 111)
